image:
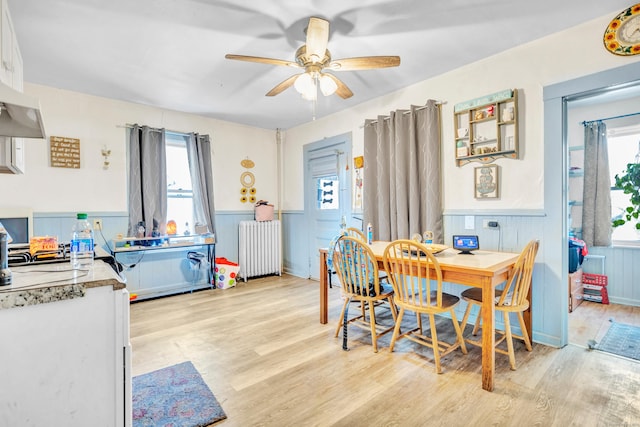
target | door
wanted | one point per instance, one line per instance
(327, 193)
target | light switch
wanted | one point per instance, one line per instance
(469, 222)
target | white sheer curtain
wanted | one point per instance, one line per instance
(147, 179)
(199, 154)
(596, 200)
(402, 173)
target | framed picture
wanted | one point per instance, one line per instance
(487, 182)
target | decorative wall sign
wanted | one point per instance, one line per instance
(64, 152)
(487, 182)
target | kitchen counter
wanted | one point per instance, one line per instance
(66, 354)
(45, 283)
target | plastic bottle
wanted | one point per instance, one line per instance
(82, 243)
(428, 237)
(369, 233)
(343, 223)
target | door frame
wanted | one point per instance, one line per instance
(555, 99)
(344, 176)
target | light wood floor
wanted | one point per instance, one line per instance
(269, 362)
(591, 320)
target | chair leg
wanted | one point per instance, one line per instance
(507, 331)
(419, 322)
(434, 341)
(476, 326)
(465, 318)
(525, 334)
(341, 319)
(372, 322)
(456, 325)
(394, 310)
(396, 329)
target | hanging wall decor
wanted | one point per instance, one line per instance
(622, 35)
(64, 152)
(358, 164)
(105, 153)
(247, 180)
(487, 182)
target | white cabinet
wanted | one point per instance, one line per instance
(17, 79)
(6, 46)
(65, 362)
(12, 156)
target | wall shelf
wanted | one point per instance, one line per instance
(486, 128)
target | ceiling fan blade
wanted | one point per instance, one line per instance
(343, 90)
(317, 38)
(364, 63)
(283, 86)
(262, 60)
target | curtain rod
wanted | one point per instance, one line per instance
(438, 103)
(586, 122)
(152, 129)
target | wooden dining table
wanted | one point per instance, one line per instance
(481, 269)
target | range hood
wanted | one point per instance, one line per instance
(19, 114)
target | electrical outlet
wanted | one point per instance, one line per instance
(97, 224)
(489, 223)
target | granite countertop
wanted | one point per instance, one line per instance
(44, 283)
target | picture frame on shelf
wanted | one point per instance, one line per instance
(487, 182)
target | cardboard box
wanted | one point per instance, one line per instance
(43, 245)
(226, 273)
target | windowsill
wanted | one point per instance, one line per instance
(626, 244)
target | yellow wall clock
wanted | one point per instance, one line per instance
(622, 36)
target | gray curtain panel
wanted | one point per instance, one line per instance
(147, 179)
(200, 168)
(402, 173)
(596, 200)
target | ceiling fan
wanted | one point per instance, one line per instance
(315, 59)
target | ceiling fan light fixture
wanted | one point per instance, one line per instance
(306, 85)
(327, 85)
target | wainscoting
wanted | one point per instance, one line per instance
(151, 273)
(515, 229)
(622, 267)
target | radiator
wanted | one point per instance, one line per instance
(259, 248)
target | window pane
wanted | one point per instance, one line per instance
(622, 150)
(327, 192)
(180, 209)
(178, 177)
(179, 188)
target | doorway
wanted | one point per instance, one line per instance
(617, 108)
(327, 193)
(556, 100)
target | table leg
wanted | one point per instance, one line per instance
(324, 289)
(488, 335)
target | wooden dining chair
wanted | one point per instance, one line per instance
(357, 233)
(513, 298)
(416, 277)
(357, 270)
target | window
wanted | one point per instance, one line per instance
(179, 188)
(624, 147)
(328, 192)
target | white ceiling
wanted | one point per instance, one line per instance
(170, 53)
